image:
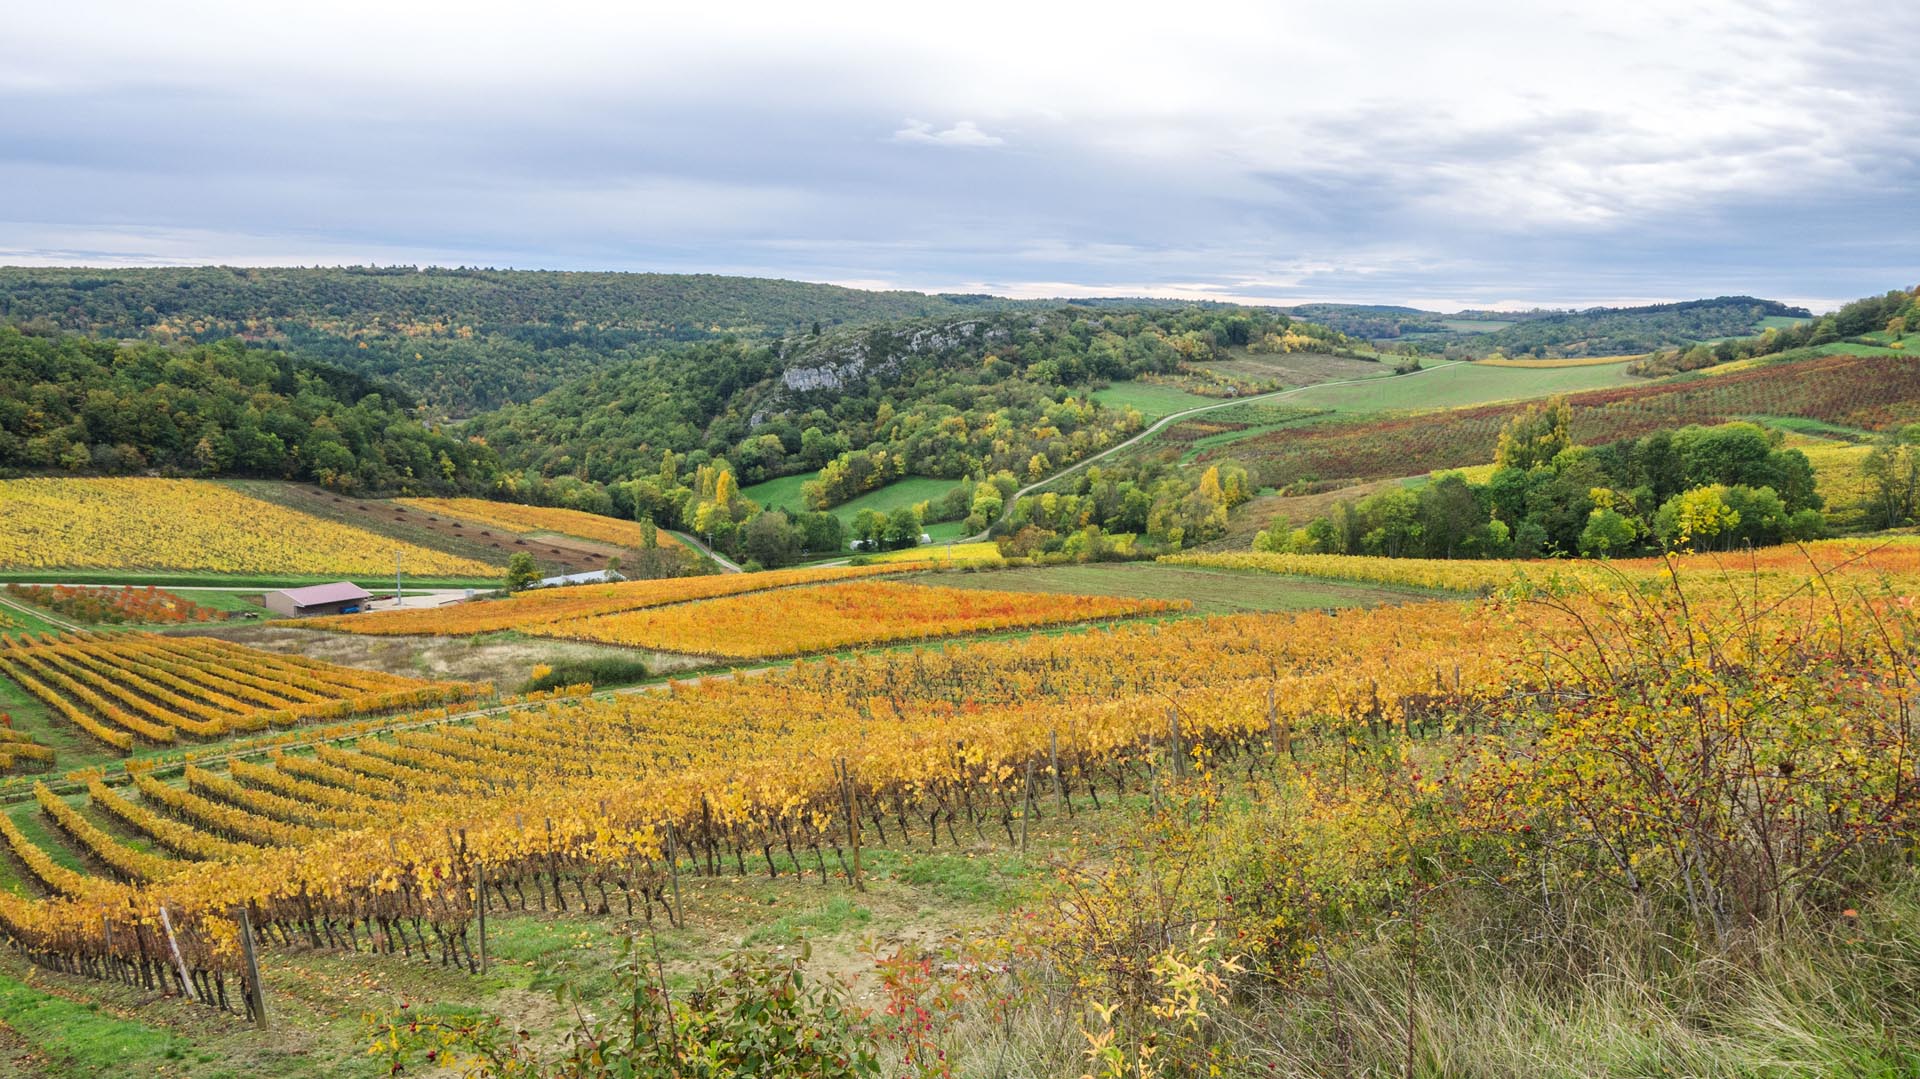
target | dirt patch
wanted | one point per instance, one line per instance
(503, 660)
(18, 1056)
(1294, 368)
(488, 543)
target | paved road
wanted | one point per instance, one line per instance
(1175, 417)
(44, 616)
(724, 562)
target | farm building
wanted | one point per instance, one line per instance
(599, 576)
(342, 598)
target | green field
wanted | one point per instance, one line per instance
(1474, 325)
(1843, 348)
(1461, 384)
(784, 493)
(1212, 591)
(1778, 322)
(1153, 401)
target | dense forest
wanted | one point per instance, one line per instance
(992, 400)
(461, 340)
(1597, 331)
(996, 392)
(77, 404)
(1889, 316)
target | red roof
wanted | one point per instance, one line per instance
(325, 593)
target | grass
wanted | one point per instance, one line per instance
(1263, 419)
(1778, 322)
(79, 1039)
(1550, 362)
(1842, 348)
(221, 600)
(1153, 401)
(1212, 591)
(31, 716)
(24, 619)
(1802, 425)
(836, 915)
(1459, 385)
(784, 493)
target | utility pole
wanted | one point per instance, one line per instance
(399, 597)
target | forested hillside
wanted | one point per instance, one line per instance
(936, 397)
(462, 340)
(1597, 331)
(1874, 323)
(76, 404)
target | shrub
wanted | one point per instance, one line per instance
(600, 671)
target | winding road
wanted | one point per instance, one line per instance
(1174, 417)
(726, 564)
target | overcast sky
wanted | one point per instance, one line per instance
(1442, 154)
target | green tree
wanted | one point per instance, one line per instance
(1892, 470)
(1536, 436)
(1608, 532)
(903, 528)
(521, 571)
(771, 539)
(1695, 518)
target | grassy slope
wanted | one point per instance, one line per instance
(1152, 400)
(784, 493)
(1212, 591)
(1461, 384)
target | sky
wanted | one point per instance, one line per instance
(1464, 154)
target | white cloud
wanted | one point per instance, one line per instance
(1546, 152)
(962, 133)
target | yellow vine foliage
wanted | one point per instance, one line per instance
(157, 524)
(139, 687)
(828, 617)
(587, 787)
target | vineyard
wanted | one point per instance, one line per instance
(379, 846)
(398, 843)
(115, 605)
(130, 690)
(834, 616)
(192, 525)
(514, 517)
(1895, 557)
(1868, 392)
(529, 610)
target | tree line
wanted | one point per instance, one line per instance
(1891, 315)
(1694, 487)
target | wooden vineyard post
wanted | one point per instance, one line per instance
(478, 874)
(480, 891)
(673, 869)
(1179, 753)
(1053, 765)
(853, 820)
(173, 945)
(256, 997)
(1026, 806)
